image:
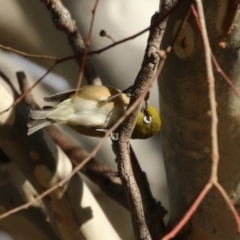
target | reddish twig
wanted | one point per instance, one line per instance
(215, 62)
(225, 77)
(19, 99)
(189, 213)
(63, 21)
(27, 55)
(229, 203)
(83, 62)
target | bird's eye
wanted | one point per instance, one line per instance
(147, 119)
(114, 136)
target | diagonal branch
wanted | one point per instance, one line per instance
(122, 146)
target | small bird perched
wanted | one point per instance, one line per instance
(94, 110)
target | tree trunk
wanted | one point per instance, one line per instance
(186, 121)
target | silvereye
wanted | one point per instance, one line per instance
(148, 123)
(94, 110)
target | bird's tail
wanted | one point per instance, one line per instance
(37, 120)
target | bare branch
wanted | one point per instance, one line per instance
(153, 209)
(122, 146)
(189, 213)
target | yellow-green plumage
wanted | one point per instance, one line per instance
(145, 130)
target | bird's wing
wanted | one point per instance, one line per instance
(93, 91)
(59, 96)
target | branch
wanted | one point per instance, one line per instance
(189, 213)
(122, 146)
(153, 209)
(64, 21)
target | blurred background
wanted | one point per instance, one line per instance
(27, 26)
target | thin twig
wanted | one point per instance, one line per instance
(103, 33)
(19, 99)
(214, 60)
(229, 203)
(189, 213)
(212, 96)
(225, 77)
(63, 20)
(27, 55)
(87, 45)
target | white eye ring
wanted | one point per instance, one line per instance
(114, 136)
(147, 119)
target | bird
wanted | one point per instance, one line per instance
(94, 110)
